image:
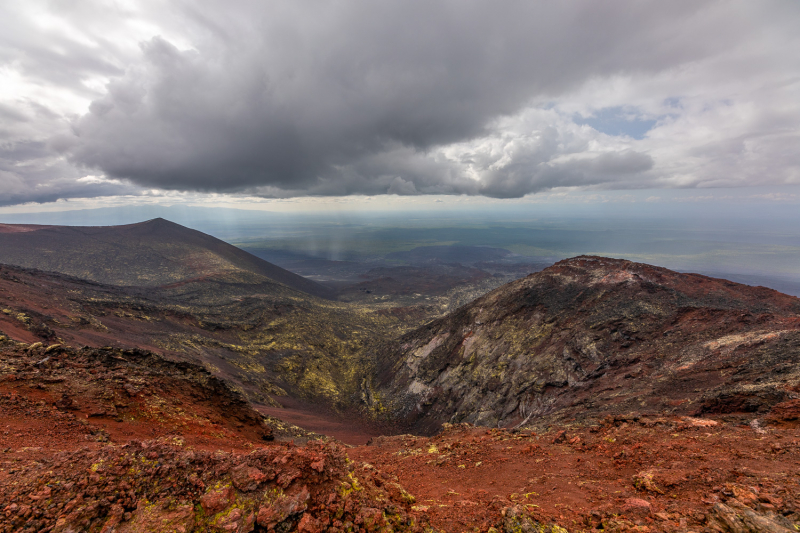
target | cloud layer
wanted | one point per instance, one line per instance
(337, 98)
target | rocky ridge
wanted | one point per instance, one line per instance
(103, 440)
(592, 336)
(162, 486)
(118, 394)
(265, 343)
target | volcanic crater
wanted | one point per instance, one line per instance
(596, 395)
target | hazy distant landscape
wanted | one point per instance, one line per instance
(761, 257)
(736, 242)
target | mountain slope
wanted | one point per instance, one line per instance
(124, 440)
(120, 394)
(150, 254)
(263, 338)
(590, 336)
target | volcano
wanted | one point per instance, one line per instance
(150, 254)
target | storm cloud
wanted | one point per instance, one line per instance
(336, 98)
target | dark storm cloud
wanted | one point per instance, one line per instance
(526, 176)
(288, 98)
(29, 172)
(317, 99)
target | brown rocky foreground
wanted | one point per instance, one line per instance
(174, 464)
(104, 440)
(622, 475)
(654, 402)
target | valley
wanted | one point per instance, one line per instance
(154, 378)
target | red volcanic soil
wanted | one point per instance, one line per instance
(636, 474)
(621, 474)
(352, 430)
(21, 228)
(125, 441)
(37, 306)
(647, 474)
(56, 397)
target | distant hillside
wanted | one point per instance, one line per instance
(150, 254)
(591, 336)
(465, 255)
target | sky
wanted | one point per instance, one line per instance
(286, 104)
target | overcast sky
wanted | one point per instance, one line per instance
(274, 99)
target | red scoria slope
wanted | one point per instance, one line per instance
(125, 441)
(637, 474)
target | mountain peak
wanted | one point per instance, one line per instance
(568, 341)
(155, 252)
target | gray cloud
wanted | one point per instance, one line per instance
(53, 56)
(29, 172)
(287, 99)
(284, 98)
